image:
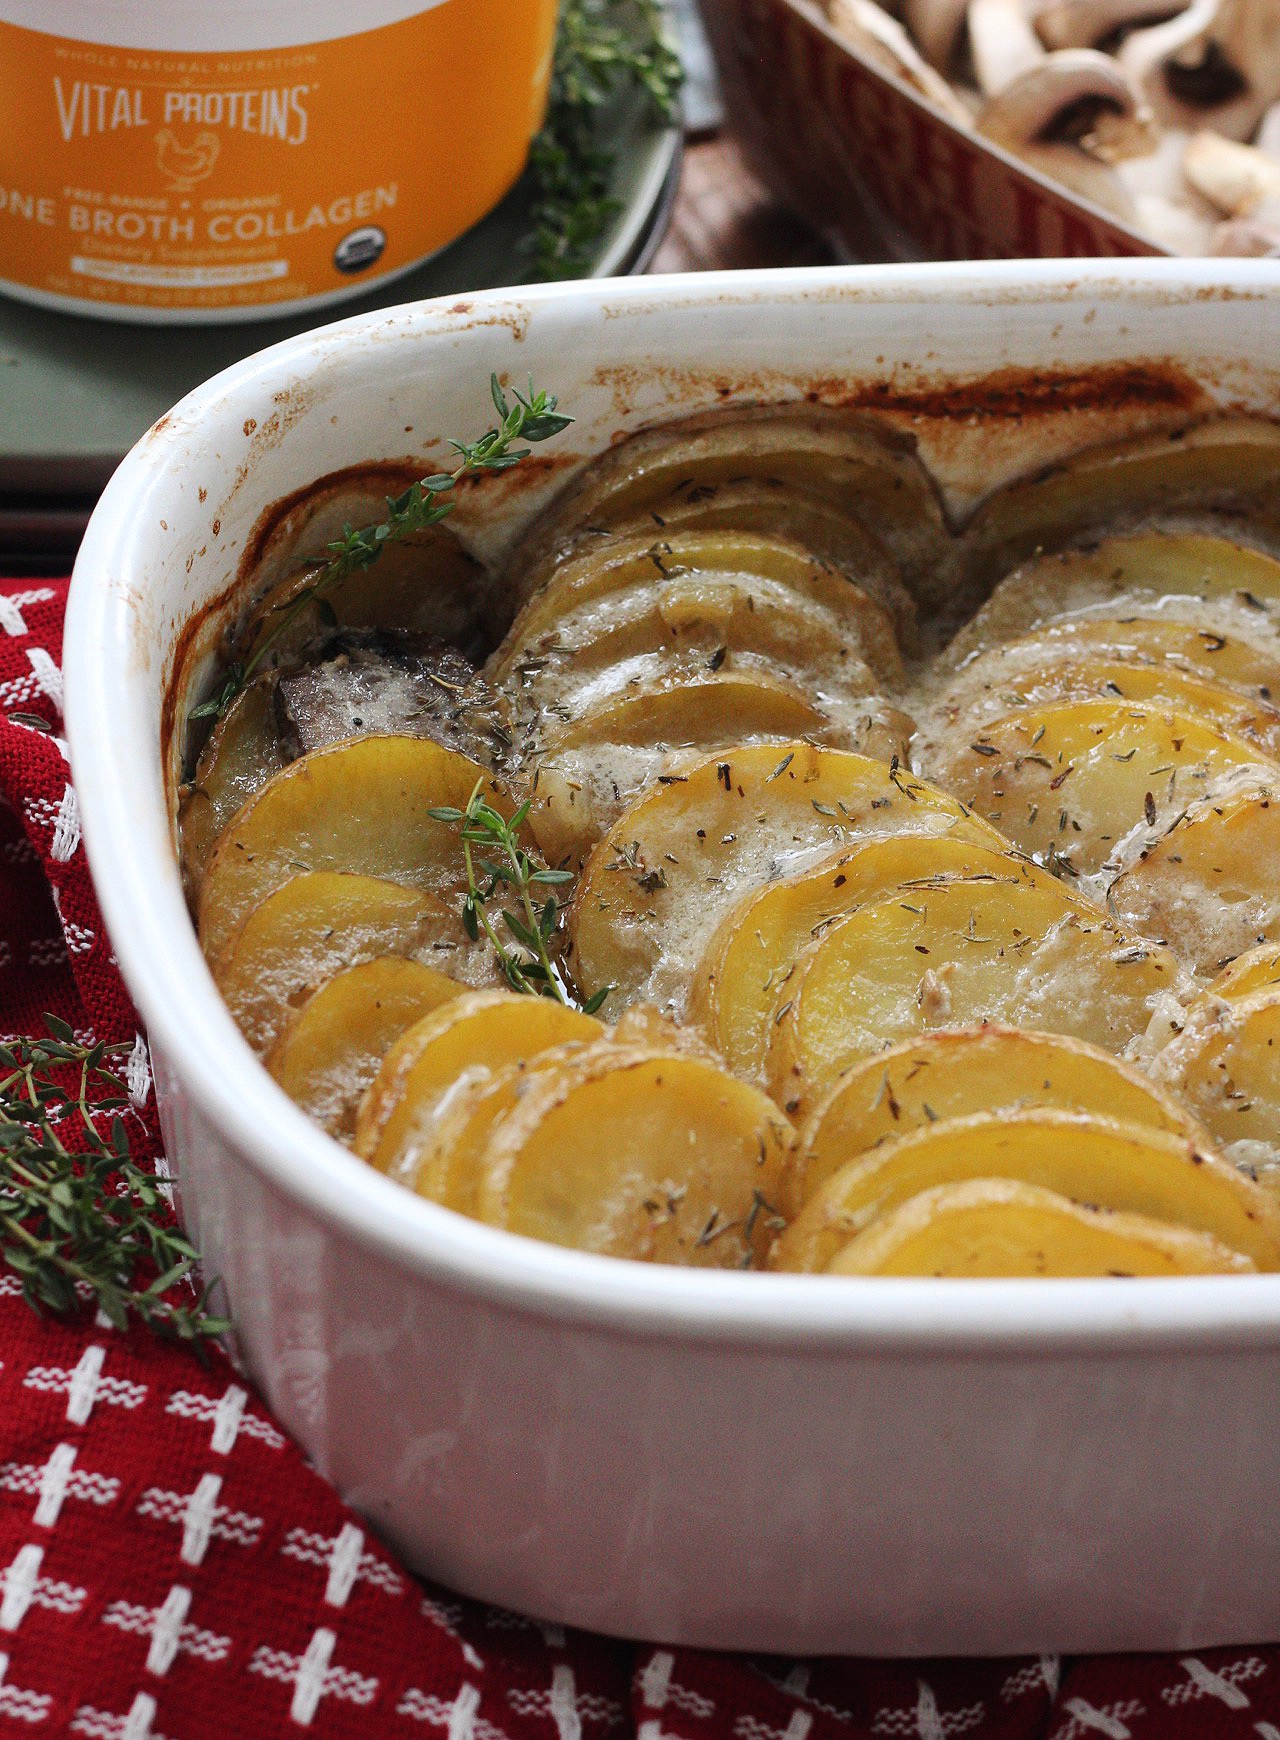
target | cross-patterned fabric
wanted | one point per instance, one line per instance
(171, 1568)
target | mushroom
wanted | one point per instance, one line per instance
(1168, 208)
(1089, 23)
(1216, 65)
(868, 28)
(1241, 182)
(1070, 114)
(1267, 138)
(937, 25)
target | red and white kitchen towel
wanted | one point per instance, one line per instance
(171, 1567)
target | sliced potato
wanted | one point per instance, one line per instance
(762, 504)
(1099, 1161)
(426, 581)
(594, 768)
(653, 891)
(467, 1041)
(866, 469)
(957, 1072)
(242, 753)
(1149, 565)
(992, 1228)
(966, 951)
(313, 926)
(1255, 970)
(963, 712)
(1226, 1065)
(1208, 882)
(362, 806)
(656, 1156)
(1225, 465)
(1224, 643)
(749, 964)
(715, 581)
(331, 1049)
(1067, 783)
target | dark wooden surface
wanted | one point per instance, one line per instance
(724, 217)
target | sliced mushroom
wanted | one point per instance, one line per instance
(1002, 44)
(937, 26)
(1168, 208)
(1267, 138)
(1091, 23)
(1238, 179)
(1216, 65)
(869, 29)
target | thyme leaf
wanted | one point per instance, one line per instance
(532, 923)
(79, 1218)
(603, 49)
(533, 418)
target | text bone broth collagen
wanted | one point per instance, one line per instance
(219, 159)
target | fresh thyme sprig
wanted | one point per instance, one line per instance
(603, 47)
(529, 968)
(532, 419)
(79, 1219)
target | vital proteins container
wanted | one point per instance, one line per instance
(213, 160)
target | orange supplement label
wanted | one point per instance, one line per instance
(228, 181)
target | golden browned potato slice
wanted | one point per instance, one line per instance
(362, 806)
(591, 770)
(1099, 1161)
(1208, 883)
(1226, 1065)
(313, 926)
(1228, 465)
(991, 1228)
(966, 951)
(1069, 783)
(715, 581)
(469, 1040)
(1149, 568)
(426, 582)
(650, 1155)
(242, 753)
(955, 1072)
(1203, 640)
(655, 888)
(963, 712)
(762, 504)
(866, 469)
(331, 1049)
(1255, 970)
(750, 962)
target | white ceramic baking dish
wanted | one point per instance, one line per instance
(797, 1464)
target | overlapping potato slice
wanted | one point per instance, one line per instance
(638, 594)
(331, 1049)
(866, 469)
(1226, 1066)
(1010, 951)
(991, 1228)
(468, 1041)
(963, 710)
(763, 504)
(1068, 783)
(242, 753)
(426, 581)
(657, 1156)
(1227, 465)
(362, 806)
(653, 891)
(1223, 643)
(1150, 568)
(593, 769)
(956, 1072)
(750, 962)
(319, 922)
(1101, 1162)
(1207, 883)
(1255, 970)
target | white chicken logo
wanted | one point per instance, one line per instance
(186, 165)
